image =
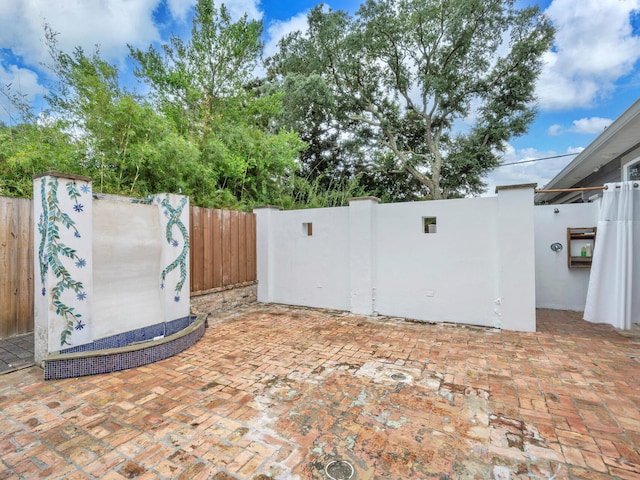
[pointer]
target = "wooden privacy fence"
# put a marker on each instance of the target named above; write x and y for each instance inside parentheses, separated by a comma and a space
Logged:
(223, 254)
(223, 249)
(16, 267)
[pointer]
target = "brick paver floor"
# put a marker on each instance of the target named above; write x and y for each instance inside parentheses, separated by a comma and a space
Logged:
(282, 393)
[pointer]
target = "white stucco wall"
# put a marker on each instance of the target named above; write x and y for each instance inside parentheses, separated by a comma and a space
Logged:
(310, 270)
(362, 254)
(558, 286)
(448, 276)
(516, 270)
(126, 261)
(478, 268)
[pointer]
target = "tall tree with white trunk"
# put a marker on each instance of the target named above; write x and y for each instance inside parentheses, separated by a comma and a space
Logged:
(442, 84)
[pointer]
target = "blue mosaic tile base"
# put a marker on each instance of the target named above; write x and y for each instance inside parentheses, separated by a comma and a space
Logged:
(78, 367)
(132, 336)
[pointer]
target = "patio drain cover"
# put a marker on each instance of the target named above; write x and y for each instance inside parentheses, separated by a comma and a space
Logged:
(339, 470)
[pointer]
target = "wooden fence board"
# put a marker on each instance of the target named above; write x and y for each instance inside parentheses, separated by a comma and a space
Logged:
(242, 247)
(223, 248)
(252, 254)
(226, 248)
(16, 267)
(25, 268)
(196, 237)
(207, 258)
(6, 279)
(216, 267)
(233, 248)
(193, 214)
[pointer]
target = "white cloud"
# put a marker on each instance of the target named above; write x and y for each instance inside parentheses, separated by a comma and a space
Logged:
(594, 47)
(590, 126)
(21, 81)
(180, 8)
(555, 130)
(277, 30)
(237, 8)
(109, 23)
(587, 126)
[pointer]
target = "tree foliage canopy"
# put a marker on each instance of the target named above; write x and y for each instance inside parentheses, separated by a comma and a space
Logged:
(405, 99)
(204, 86)
(203, 131)
(412, 72)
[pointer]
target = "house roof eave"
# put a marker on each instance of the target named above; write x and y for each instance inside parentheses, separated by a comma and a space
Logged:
(613, 142)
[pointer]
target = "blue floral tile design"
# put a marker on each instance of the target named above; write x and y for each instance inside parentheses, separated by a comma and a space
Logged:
(173, 215)
(52, 250)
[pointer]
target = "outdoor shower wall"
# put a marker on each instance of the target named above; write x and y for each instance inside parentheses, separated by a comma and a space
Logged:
(557, 285)
(126, 249)
(476, 266)
(105, 266)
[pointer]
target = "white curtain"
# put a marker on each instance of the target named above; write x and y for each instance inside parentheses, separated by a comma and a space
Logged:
(614, 285)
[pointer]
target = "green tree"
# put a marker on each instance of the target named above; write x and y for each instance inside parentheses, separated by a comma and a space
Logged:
(341, 159)
(204, 86)
(191, 79)
(126, 146)
(205, 131)
(410, 71)
(31, 145)
(27, 149)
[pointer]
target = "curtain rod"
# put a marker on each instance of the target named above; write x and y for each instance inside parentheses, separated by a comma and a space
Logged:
(578, 189)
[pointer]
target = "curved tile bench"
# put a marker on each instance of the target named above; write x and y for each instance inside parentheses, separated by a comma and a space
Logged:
(89, 360)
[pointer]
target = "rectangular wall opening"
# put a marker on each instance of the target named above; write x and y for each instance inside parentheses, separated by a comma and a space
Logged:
(307, 229)
(429, 225)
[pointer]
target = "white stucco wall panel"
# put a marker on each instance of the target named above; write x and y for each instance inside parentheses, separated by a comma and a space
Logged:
(310, 270)
(516, 265)
(126, 265)
(557, 285)
(448, 276)
(477, 268)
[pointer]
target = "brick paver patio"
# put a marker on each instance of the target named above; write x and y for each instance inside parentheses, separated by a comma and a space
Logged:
(282, 392)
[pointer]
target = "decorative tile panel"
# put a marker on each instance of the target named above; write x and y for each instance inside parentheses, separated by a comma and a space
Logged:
(65, 266)
(174, 278)
(63, 236)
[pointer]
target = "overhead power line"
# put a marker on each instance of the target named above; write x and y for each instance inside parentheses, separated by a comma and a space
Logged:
(536, 159)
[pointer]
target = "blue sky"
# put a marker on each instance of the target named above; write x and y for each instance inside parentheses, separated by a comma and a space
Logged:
(591, 75)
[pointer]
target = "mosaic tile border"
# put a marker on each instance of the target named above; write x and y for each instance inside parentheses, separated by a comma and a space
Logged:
(132, 336)
(95, 362)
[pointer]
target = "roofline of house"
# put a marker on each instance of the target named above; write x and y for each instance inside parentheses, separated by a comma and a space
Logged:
(610, 132)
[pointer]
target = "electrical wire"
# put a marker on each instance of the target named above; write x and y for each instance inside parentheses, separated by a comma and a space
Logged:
(536, 159)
